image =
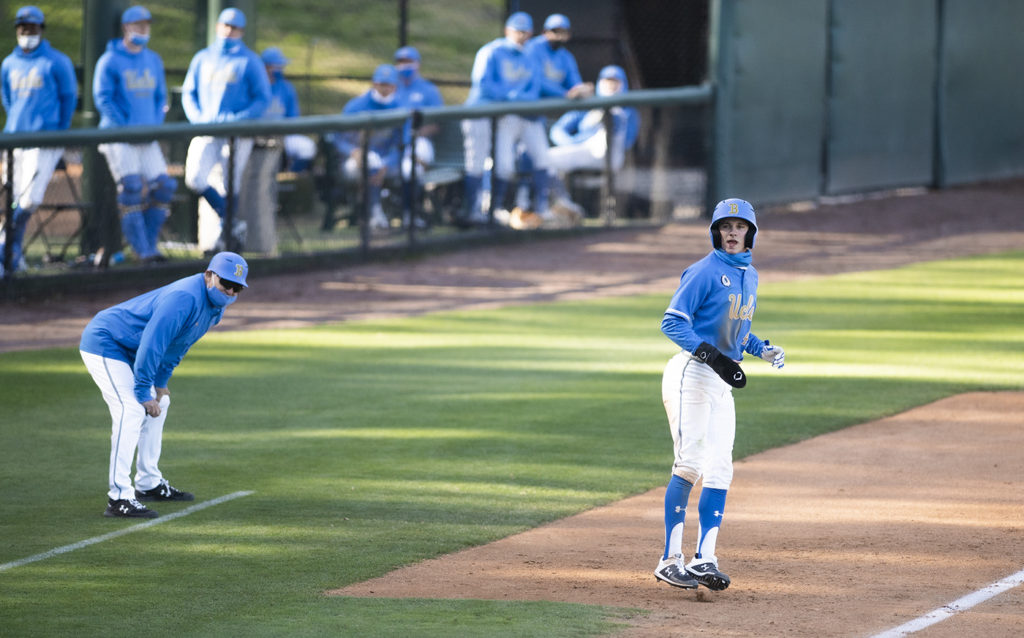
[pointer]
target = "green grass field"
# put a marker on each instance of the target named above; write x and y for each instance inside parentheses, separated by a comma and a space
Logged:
(371, 445)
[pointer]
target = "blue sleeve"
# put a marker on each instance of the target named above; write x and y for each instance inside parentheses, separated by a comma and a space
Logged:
(432, 97)
(103, 89)
(573, 76)
(680, 331)
(190, 90)
(563, 131)
(347, 141)
(67, 91)
(291, 101)
(170, 314)
(160, 95)
(491, 86)
(753, 345)
(6, 97)
(258, 85)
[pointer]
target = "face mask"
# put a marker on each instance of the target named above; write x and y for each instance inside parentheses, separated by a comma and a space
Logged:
(380, 99)
(226, 44)
(277, 74)
(220, 298)
(606, 88)
(407, 71)
(138, 39)
(29, 42)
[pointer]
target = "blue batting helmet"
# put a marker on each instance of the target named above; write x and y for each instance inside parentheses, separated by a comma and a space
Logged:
(233, 17)
(135, 14)
(407, 53)
(520, 21)
(556, 21)
(272, 56)
(385, 74)
(733, 207)
(230, 266)
(29, 15)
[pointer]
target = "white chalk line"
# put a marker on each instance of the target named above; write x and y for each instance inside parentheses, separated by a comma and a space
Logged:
(121, 532)
(955, 607)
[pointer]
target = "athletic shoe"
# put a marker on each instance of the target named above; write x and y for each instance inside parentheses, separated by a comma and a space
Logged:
(128, 508)
(671, 571)
(706, 573)
(163, 492)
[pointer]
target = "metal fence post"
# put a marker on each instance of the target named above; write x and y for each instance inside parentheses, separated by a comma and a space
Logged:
(413, 212)
(228, 223)
(364, 182)
(494, 173)
(608, 201)
(8, 228)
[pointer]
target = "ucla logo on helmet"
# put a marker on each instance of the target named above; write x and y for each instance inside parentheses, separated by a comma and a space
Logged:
(239, 270)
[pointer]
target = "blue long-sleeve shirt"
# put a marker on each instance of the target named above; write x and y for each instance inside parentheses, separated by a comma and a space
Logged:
(715, 302)
(130, 89)
(225, 85)
(39, 89)
(419, 93)
(152, 332)
(284, 101)
(558, 69)
(503, 72)
(385, 142)
(575, 127)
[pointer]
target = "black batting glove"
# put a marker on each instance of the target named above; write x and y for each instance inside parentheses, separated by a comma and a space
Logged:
(726, 368)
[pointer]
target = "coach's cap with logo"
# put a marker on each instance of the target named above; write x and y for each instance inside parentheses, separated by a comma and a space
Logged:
(230, 266)
(272, 56)
(29, 15)
(520, 21)
(556, 21)
(233, 17)
(407, 53)
(135, 14)
(385, 74)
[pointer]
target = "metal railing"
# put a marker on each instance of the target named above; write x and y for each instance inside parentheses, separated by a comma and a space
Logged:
(321, 124)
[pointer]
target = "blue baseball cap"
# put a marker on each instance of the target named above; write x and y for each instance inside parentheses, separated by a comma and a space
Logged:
(407, 53)
(230, 266)
(612, 72)
(29, 15)
(385, 74)
(135, 14)
(272, 56)
(233, 17)
(556, 21)
(520, 21)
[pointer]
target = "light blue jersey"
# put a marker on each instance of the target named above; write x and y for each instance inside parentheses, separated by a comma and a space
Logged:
(558, 69)
(130, 89)
(224, 83)
(419, 93)
(152, 332)
(715, 302)
(284, 101)
(503, 72)
(39, 90)
(385, 142)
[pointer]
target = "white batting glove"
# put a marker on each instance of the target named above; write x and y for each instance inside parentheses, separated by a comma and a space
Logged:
(774, 355)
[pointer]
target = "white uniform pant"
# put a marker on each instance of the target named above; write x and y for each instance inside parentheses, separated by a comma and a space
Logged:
(33, 168)
(206, 163)
(702, 417)
(424, 158)
(476, 144)
(587, 155)
(131, 428)
(513, 129)
(146, 160)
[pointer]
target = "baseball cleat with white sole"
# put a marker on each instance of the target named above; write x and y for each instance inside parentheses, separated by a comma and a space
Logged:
(671, 571)
(706, 573)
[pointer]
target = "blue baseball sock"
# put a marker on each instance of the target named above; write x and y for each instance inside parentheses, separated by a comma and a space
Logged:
(677, 494)
(711, 508)
(216, 200)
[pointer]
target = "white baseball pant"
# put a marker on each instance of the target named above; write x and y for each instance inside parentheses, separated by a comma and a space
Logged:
(145, 159)
(33, 168)
(476, 144)
(702, 418)
(131, 428)
(206, 163)
(587, 155)
(424, 158)
(299, 147)
(511, 130)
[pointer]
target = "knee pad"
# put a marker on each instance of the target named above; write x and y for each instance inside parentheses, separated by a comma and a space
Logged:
(129, 192)
(161, 189)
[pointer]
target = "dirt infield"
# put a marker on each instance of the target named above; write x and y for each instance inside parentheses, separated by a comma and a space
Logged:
(847, 534)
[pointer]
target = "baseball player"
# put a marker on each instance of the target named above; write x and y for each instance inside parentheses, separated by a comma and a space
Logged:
(417, 92)
(709, 317)
(284, 102)
(225, 82)
(131, 350)
(385, 144)
(130, 89)
(503, 72)
(560, 75)
(39, 93)
(579, 139)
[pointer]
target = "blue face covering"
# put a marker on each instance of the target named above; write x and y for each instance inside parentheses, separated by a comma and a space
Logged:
(226, 44)
(138, 39)
(407, 73)
(277, 74)
(220, 298)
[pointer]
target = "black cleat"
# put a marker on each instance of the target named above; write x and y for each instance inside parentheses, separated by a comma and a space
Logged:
(128, 508)
(706, 573)
(671, 572)
(164, 492)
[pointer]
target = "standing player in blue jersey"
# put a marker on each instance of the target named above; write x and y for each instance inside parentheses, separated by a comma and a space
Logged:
(284, 102)
(709, 317)
(39, 93)
(130, 89)
(560, 75)
(131, 351)
(225, 82)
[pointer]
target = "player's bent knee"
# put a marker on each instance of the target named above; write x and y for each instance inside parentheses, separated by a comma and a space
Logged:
(130, 190)
(162, 188)
(686, 474)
